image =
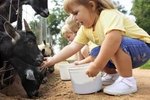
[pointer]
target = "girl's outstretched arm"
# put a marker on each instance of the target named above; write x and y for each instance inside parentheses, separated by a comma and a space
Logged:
(65, 53)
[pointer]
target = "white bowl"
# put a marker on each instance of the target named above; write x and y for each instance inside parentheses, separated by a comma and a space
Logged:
(82, 84)
(64, 72)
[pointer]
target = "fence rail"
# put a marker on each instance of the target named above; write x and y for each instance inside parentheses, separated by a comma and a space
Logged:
(7, 73)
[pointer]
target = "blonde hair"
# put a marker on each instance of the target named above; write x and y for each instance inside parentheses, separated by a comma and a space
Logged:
(65, 30)
(101, 4)
(70, 26)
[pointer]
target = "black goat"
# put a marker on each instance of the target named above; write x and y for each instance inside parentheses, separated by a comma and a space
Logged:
(21, 45)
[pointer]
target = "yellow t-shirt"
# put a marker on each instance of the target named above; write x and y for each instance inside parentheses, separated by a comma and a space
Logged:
(108, 20)
(91, 45)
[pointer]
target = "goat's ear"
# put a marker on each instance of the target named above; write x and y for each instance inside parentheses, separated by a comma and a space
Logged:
(30, 75)
(43, 51)
(11, 32)
(44, 42)
(27, 28)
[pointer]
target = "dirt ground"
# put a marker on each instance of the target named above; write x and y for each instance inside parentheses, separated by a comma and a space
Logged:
(56, 89)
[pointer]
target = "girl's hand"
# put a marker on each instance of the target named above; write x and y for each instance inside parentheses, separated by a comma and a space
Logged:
(47, 62)
(77, 62)
(92, 70)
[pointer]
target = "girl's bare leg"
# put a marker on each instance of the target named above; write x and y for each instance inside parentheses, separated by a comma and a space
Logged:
(110, 70)
(123, 63)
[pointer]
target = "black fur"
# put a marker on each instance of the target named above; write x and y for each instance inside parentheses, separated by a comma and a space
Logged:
(39, 6)
(22, 46)
(25, 47)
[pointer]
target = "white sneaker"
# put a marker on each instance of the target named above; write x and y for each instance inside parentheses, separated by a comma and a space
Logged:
(108, 79)
(122, 86)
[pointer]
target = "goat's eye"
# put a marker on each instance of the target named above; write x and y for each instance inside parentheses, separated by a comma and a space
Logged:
(30, 44)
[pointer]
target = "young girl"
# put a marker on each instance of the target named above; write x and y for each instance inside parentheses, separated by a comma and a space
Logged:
(69, 31)
(122, 42)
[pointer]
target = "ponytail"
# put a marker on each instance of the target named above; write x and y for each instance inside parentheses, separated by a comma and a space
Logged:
(105, 4)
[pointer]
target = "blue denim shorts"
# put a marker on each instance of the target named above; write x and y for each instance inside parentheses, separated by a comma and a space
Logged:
(94, 52)
(138, 50)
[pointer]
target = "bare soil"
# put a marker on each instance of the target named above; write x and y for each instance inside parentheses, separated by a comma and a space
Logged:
(56, 89)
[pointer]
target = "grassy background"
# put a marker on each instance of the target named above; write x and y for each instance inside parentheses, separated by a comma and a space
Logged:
(146, 66)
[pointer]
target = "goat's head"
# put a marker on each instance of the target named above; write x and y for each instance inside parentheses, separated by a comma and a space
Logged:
(46, 49)
(40, 6)
(24, 45)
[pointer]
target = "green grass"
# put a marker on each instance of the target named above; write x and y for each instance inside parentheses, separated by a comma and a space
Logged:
(146, 66)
